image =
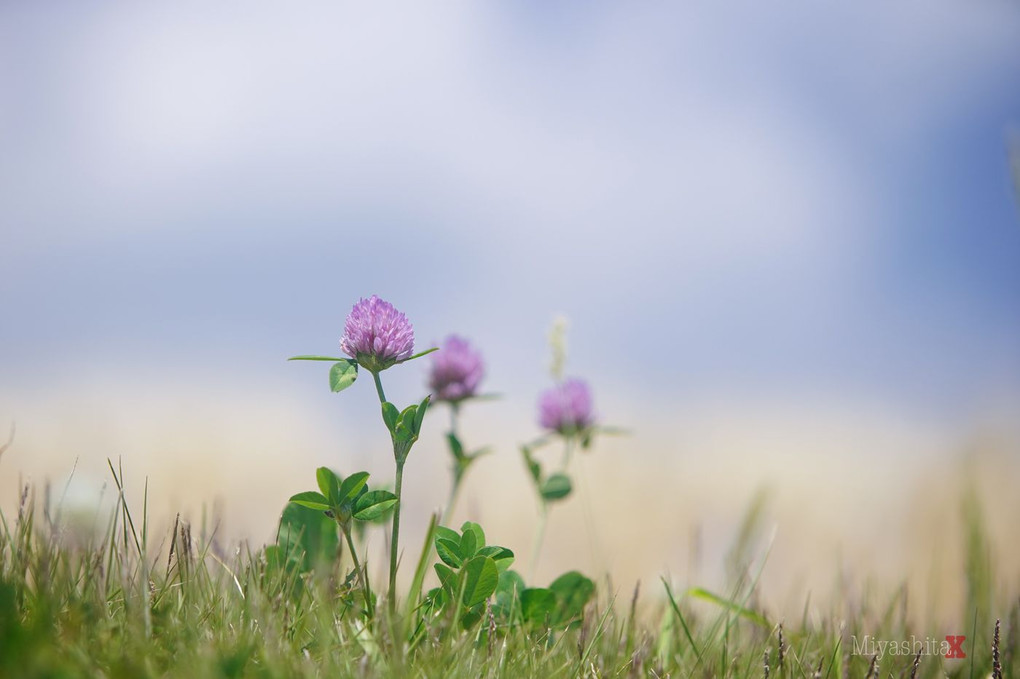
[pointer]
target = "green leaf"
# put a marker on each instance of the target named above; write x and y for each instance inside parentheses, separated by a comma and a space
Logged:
(471, 618)
(748, 614)
(373, 504)
(476, 530)
(533, 466)
(311, 499)
(538, 605)
(390, 414)
(511, 582)
(419, 354)
(455, 446)
(573, 591)
(351, 485)
(419, 415)
(508, 593)
(449, 551)
(329, 484)
(435, 599)
(556, 487)
(501, 555)
(343, 374)
(480, 579)
(317, 358)
(447, 578)
(306, 535)
(448, 533)
(468, 544)
(404, 431)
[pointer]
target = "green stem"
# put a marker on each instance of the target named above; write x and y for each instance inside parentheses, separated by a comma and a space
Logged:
(452, 500)
(568, 449)
(539, 537)
(362, 575)
(454, 412)
(378, 387)
(395, 538)
(457, 471)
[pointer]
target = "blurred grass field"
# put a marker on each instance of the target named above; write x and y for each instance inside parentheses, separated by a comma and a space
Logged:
(890, 528)
(130, 600)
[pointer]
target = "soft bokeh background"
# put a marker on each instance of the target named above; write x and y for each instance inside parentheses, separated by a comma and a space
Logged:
(785, 236)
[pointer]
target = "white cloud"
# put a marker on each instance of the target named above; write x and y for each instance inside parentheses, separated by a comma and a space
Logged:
(676, 118)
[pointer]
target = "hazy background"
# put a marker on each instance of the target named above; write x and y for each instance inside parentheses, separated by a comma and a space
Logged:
(785, 236)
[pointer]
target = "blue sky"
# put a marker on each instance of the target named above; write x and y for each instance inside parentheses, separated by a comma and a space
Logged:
(789, 202)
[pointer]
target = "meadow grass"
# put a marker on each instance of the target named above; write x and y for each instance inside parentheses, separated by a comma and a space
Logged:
(125, 603)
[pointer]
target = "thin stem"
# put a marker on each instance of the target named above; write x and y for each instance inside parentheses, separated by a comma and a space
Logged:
(543, 519)
(378, 387)
(539, 537)
(454, 413)
(395, 539)
(362, 574)
(452, 499)
(568, 449)
(395, 535)
(457, 471)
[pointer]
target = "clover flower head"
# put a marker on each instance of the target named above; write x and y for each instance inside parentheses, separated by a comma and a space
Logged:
(457, 369)
(567, 407)
(376, 335)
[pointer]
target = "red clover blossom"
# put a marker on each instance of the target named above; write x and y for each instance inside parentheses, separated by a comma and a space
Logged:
(457, 369)
(567, 407)
(376, 335)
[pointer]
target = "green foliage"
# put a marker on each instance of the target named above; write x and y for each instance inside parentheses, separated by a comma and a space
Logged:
(312, 500)
(559, 605)
(480, 578)
(344, 499)
(341, 502)
(390, 415)
(306, 537)
(351, 486)
(419, 354)
(342, 375)
(404, 426)
(538, 605)
(374, 504)
(556, 487)
(329, 484)
(573, 592)
(508, 595)
(117, 605)
(462, 460)
(552, 488)
(111, 607)
(469, 572)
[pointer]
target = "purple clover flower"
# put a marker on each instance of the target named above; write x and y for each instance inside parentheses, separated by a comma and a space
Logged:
(567, 407)
(376, 335)
(457, 369)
